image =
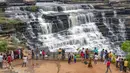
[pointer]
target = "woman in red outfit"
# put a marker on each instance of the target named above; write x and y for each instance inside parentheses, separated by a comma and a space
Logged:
(9, 59)
(82, 55)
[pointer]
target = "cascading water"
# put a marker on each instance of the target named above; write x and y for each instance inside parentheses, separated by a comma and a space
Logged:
(118, 35)
(67, 26)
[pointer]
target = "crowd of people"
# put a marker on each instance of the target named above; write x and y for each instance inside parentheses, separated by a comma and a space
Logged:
(86, 56)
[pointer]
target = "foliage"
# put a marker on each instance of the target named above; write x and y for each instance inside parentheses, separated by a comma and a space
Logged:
(3, 46)
(4, 20)
(32, 8)
(126, 46)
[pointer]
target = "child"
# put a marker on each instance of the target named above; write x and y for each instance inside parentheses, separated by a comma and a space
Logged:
(95, 58)
(75, 58)
(24, 61)
(108, 66)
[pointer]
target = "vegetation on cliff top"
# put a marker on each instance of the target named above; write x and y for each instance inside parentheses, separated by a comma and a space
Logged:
(126, 46)
(32, 8)
(4, 20)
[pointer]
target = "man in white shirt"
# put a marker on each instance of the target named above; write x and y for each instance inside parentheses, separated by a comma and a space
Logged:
(1, 60)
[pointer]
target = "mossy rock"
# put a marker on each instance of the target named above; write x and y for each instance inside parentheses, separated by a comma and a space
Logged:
(32, 8)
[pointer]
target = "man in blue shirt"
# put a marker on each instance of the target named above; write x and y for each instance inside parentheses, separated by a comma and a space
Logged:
(1, 60)
(95, 50)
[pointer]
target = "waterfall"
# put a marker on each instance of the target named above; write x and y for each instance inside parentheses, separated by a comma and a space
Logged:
(122, 29)
(69, 27)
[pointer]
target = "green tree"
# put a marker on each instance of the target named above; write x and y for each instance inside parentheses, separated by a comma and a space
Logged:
(3, 46)
(126, 46)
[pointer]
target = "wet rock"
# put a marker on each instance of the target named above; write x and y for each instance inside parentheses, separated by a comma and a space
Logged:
(109, 13)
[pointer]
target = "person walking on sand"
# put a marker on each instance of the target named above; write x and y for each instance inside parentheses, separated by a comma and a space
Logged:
(24, 61)
(108, 66)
